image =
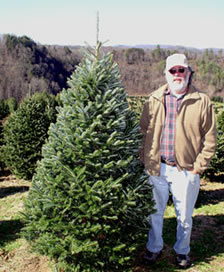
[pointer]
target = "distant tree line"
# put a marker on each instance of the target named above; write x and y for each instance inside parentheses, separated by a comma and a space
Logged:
(27, 67)
(142, 70)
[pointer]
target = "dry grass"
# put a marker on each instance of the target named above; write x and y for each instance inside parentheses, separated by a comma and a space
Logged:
(15, 253)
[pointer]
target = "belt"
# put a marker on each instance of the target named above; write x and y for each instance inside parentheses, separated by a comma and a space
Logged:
(168, 163)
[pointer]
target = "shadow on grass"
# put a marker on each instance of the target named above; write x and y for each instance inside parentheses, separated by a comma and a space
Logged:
(207, 237)
(4, 173)
(6, 191)
(9, 231)
(215, 178)
(207, 242)
(209, 197)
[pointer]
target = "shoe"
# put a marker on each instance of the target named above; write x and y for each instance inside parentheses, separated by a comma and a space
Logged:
(183, 261)
(151, 257)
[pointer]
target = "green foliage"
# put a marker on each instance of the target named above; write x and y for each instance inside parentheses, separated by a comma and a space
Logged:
(12, 41)
(12, 104)
(90, 199)
(217, 162)
(4, 109)
(136, 103)
(217, 99)
(26, 131)
(2, 164)
(158, 54)
(211, 73)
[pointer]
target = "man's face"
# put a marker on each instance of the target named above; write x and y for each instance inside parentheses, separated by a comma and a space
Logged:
(177, 78)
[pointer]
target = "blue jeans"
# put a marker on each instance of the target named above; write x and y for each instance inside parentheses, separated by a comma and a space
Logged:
(184, 187)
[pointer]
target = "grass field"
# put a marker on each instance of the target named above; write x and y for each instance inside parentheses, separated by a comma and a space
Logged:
(207, 247)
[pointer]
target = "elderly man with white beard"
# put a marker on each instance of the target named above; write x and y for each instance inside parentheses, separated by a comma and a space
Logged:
(179, 137)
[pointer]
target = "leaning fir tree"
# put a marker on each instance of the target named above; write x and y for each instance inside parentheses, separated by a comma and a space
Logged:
(89, 201)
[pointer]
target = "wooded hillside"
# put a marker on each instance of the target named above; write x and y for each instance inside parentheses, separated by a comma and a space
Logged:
(142, 70)
(27, 67)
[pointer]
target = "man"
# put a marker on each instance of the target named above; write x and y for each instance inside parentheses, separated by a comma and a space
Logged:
(178, 126)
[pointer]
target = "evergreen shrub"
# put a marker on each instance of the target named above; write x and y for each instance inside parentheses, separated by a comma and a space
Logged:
(2, 164)
(136, 104)
(25, 131)
(4, 109)
(90, 199)
(217, 162)
(217, 99)
(12, 104)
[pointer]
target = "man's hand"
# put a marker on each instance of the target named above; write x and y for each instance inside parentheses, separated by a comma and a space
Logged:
(193, 171)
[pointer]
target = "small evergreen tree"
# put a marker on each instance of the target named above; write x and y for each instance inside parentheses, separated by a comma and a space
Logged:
(25, 132)
(4, 109)
(90, 199)
(2, 164)
(217, 162)
(12, 104)
(217, 99)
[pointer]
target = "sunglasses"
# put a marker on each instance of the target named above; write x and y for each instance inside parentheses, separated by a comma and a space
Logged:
(179, 70)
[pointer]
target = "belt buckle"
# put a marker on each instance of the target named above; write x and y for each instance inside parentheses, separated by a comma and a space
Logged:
(170, 163)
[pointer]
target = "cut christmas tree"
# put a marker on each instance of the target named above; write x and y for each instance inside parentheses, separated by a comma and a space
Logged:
(89, 203)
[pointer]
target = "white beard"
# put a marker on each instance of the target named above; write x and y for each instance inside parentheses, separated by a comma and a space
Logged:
(177, 87)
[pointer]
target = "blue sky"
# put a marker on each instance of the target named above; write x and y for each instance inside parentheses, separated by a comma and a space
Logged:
(196, 23)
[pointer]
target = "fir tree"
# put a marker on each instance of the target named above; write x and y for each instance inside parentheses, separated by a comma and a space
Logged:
(217, 162)
(2, 164)
(4, 109)
(90, 199)
(25, 131)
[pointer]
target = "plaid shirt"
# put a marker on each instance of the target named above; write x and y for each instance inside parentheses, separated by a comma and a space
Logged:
(172, 104)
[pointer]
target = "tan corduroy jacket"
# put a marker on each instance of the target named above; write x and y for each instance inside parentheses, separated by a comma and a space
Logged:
(195, 138)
